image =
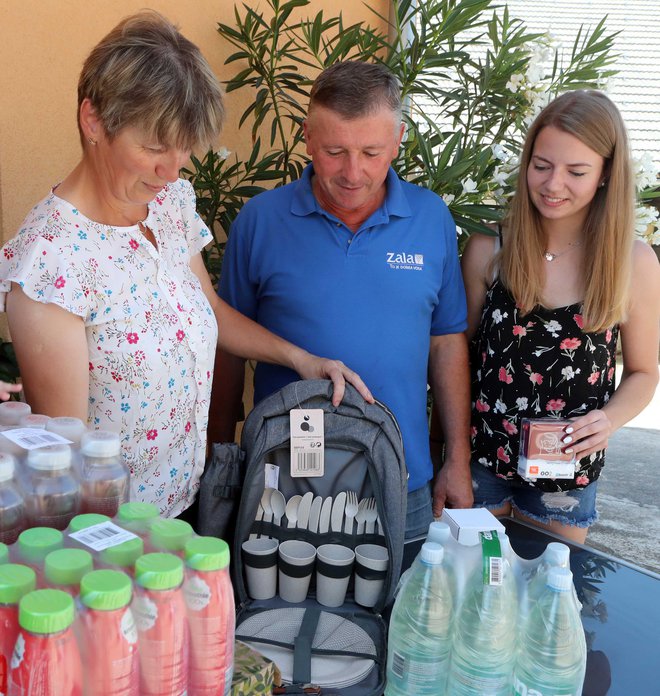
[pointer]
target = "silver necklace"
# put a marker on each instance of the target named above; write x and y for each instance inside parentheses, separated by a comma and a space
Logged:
(550, 256)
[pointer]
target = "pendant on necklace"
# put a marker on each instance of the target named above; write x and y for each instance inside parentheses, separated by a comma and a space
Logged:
(549, 256)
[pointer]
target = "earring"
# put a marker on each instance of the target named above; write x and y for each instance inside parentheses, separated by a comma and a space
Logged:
(602, 183)
(91, 141)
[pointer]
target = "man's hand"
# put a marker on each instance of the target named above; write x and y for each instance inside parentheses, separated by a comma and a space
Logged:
(453, 486)
(312, 367)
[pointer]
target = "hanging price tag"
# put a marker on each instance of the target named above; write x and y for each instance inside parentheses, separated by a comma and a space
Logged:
(307, 442)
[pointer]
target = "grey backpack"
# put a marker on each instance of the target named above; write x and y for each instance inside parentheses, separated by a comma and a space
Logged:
(364, 455)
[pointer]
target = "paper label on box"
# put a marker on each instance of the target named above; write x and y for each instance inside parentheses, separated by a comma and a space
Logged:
(307, 442)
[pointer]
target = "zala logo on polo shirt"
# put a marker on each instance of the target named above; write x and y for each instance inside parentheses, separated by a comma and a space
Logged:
(400, 260)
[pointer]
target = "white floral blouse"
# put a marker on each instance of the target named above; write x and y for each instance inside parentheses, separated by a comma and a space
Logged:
(151, 333)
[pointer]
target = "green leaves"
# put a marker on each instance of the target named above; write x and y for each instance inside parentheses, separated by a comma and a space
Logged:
(472, 78)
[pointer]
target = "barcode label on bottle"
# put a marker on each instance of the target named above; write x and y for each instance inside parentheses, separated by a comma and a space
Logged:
(102, 536)
(33, 438)
(495, 571)
(398, 664)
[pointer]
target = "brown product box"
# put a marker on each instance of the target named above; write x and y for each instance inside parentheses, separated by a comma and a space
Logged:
(542, 450)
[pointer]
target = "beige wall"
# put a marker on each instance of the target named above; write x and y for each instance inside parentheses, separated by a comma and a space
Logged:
(42, 46)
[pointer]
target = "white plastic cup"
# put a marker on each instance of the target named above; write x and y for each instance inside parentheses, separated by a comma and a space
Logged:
(334, 567)
(371, 563)
(260, 562)
(296, 563)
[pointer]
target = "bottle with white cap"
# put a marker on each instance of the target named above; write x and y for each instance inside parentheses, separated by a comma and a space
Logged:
(11, 412)
(105, 479)
(12, 505)
(37, 421)
(53, 495)
(552, 655)
(68, 427)
(555, 555)
(419, 641)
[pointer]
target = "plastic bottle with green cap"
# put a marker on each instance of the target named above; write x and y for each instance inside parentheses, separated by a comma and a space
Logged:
(46, 660)
(123, 555)
(12, 504)
(109, 643)
(104, 477)
(65, 568)
(15, 581)
(210, 601)
(137, 517)
(160, 614)
(85, 520)
(34, 545)
(170, 535)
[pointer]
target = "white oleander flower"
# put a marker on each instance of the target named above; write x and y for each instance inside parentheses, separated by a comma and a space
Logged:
(222, 153)
(469, 186)
(499, 152)
(448, 198)
(515, 82)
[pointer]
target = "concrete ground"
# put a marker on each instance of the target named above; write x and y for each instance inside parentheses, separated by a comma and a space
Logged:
(629, 492)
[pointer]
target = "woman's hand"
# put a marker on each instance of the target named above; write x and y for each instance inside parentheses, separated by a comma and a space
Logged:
(588, 434)
(310, 366)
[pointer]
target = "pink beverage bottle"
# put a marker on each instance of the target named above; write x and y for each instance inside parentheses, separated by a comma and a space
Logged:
(15, 581)
(12, 504)
(210, 600)
(170, 536)
(109, 642)
(65, 568)
(53, 497)
(123, 556)
(137, 517)
(160, 614)
(34, 545)
(104, 478)
(46, 660)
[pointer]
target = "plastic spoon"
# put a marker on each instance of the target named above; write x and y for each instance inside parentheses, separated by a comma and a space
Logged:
(291, 510)
(278, 506)
(268, 510)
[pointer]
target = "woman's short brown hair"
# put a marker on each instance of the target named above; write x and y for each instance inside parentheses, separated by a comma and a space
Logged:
(146, 74)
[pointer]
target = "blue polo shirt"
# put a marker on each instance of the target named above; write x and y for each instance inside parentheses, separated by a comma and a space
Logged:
(371, 298)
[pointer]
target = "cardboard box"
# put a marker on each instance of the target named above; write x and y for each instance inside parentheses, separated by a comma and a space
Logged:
(542, 453)
(465, 524)
(253, 673)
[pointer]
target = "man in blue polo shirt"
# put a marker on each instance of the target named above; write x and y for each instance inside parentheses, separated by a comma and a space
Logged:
(353, 262)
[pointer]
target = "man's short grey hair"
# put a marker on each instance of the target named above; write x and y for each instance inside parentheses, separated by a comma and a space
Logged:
(354, 89)
(146, 74)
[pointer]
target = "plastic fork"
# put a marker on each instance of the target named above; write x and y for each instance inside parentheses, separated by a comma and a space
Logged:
(371, 517)
(364, 513)
(350, 511)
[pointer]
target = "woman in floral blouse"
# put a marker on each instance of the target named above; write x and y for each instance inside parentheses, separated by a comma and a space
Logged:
(547, 299)
(110, 307)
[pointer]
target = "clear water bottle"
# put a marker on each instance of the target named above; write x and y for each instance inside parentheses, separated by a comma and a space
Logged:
(419, 642)
(486, 625)
(104, 477)
(12, 505)
(552, 657)
(53, 495)
(68, 427)
(556, 555)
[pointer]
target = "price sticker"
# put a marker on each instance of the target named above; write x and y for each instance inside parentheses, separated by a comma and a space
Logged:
(307, 442)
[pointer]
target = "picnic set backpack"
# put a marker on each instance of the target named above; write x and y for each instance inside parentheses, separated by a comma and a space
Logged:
(343, 649)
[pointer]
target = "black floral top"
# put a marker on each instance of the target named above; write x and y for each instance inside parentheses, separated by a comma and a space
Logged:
(537, 366)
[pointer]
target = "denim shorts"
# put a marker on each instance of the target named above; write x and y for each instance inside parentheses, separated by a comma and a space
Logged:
(574, 508)
(419, 513)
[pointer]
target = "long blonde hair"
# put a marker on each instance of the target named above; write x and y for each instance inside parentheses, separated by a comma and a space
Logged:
(591, 117)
